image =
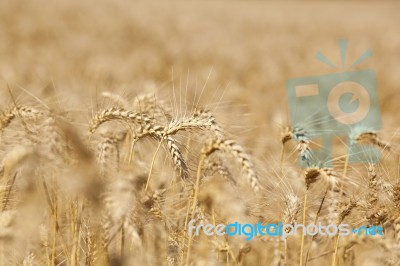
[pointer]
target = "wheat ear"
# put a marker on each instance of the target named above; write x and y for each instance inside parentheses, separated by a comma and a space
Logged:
(109, 143)
(372, 138)
(147, 128)
(231, 147)
(18, 111)
(115, 113)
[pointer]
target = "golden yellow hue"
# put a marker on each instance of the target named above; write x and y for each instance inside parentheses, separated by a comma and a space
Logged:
(121, 121)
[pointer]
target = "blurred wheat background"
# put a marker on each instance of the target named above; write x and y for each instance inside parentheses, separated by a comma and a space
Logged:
(122, 120)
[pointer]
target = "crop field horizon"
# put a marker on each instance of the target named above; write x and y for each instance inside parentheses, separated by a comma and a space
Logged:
(126, 125)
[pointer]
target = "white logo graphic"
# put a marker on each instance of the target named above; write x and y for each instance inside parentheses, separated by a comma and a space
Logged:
(359, 93)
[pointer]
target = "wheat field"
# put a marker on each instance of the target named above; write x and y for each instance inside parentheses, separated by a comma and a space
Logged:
(121, 121)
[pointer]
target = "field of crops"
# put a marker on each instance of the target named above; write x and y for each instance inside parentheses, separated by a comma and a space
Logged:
(122, 121)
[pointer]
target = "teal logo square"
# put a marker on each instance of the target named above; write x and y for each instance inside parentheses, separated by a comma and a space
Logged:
(339, 104)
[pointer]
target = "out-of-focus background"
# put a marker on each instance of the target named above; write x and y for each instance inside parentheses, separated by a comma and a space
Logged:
(244, 49)
(234, 57)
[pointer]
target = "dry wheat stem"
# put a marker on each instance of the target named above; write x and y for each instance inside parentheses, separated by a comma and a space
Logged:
(304, 222)
(151, 166)
(315, 222)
